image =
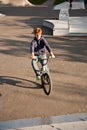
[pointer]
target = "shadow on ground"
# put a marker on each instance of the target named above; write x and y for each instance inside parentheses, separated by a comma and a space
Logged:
(73, 48)
(29, 11)
(19, 82)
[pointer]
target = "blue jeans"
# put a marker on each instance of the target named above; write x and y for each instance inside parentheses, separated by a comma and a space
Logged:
(42, 62)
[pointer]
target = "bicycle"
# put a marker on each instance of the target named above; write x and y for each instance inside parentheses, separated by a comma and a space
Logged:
(46, 81)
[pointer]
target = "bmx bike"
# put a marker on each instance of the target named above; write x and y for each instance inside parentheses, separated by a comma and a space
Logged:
(46, 81)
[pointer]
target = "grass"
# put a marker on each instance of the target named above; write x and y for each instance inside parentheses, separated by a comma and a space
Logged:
(37, 2)
(85, 1)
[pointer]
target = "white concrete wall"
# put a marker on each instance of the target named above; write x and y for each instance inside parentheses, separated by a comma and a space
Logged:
(73, 26)
(59, 27)
(78, 25)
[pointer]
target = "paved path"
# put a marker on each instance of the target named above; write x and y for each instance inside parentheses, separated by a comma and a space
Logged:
(64, 122)
(49, 3)
(19, 89)
(20, 95)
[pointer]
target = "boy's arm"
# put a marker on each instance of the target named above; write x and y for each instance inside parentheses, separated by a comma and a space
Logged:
(32, 55)
(32, 50)
(47, 45)
(49, 48)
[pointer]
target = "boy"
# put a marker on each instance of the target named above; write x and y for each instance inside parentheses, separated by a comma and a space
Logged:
(38, 50)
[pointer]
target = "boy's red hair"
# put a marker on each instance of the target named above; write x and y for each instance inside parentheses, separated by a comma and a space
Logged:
(37, 31)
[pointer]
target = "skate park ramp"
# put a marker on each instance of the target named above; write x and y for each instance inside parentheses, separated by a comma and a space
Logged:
(16, 2)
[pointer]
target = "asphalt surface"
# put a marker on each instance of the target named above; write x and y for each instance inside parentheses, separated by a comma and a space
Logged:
(20, 95)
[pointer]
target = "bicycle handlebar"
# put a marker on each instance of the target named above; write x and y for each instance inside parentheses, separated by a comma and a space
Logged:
(47, 58)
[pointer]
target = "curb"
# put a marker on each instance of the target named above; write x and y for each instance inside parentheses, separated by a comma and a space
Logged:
(35, 122)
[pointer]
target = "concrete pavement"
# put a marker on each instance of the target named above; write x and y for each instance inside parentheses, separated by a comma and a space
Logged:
(64, 122)
(64, 126)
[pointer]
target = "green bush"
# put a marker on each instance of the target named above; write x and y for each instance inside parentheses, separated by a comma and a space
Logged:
(85, 1)
(37, 2)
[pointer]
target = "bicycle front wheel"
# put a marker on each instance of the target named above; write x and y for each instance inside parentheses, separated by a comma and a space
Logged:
(46, 83)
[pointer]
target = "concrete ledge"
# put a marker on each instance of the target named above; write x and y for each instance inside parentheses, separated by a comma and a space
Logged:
(78, 25)
(75, 5)
(59, 27)
(63, 5)
(77, 34)
(75, 26)
(64, 14)
(48, 23)
(62, 32)
(59, 24)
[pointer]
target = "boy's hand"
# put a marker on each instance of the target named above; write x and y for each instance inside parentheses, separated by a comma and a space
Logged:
(52, 55)
(33, 56)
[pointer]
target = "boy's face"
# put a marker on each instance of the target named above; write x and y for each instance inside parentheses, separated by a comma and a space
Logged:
(38, 36)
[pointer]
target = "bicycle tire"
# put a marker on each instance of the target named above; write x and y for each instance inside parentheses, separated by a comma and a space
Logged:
(46, 83)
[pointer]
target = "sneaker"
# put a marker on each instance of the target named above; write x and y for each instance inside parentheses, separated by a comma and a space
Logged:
(38, 78)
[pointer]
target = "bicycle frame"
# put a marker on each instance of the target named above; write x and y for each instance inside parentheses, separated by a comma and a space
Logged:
(46, 81)
(44, 68)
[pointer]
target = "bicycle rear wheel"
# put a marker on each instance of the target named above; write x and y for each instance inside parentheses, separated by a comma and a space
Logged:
(46, 83)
